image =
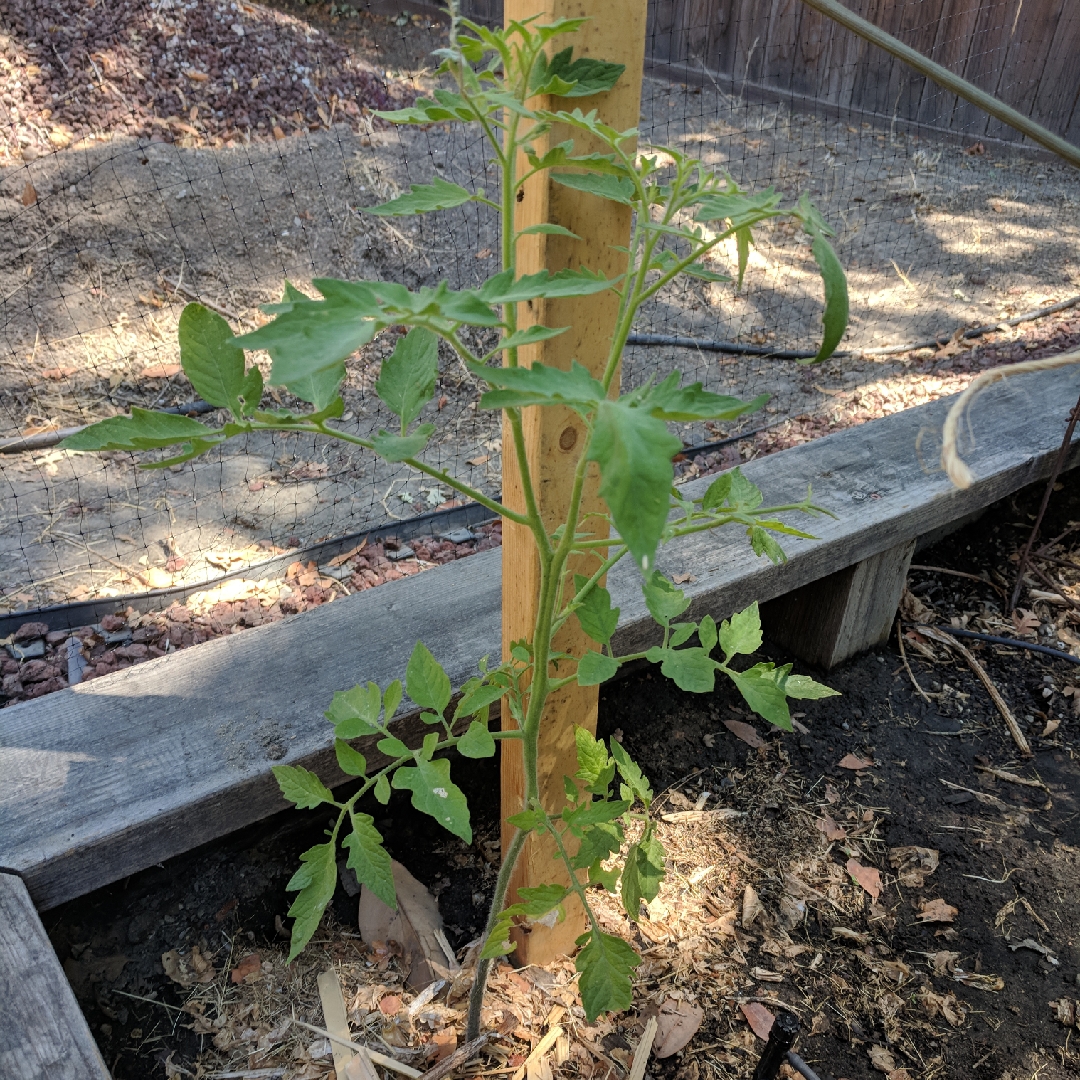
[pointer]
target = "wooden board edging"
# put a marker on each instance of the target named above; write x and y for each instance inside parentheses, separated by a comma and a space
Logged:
(107, 778)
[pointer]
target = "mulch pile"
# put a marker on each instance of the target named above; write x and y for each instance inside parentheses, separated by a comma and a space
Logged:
(210, 70)
(39, 662)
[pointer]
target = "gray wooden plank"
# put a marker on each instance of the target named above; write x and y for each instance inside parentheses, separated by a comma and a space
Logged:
(109, 777)
(43, 1034)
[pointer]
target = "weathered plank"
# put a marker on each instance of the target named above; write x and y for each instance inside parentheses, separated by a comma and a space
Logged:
(107, 778)
(43, 1034)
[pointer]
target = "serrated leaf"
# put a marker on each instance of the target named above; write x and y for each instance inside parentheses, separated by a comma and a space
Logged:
(407, 378)
(422, 198)
(664, 601)
(213, 363)
(562, 76)
(533, 335)
(596, 812)
(835, 317)
(547, 229)
(618, 189)
(741, 634)
(595, 668)
(370, 860)
(605, 965)
(762, 543)
(537, 900)
(760, 691)
(669, 401)
(804, 688)
(681, 632)
(251, 390)
(592, 756)
(597, 844)
(391, 701)
(143, 430)
(320, 388)
(642, 873)
(527, 820)
(350, 761)
(731, 489)
(503, 289)
(316, 879)
(595, 614)
(355, 712)
(478, 696)
(477, 741)
(402, 447)
(609, 879)
(707, 634)
(539, 385)
(434, 793)
(632, 774)
(382, 789)
(634, 452)
(426, 682)
(690, 669)
(301, 787)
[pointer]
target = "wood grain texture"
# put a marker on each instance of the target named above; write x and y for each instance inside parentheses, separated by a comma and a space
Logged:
(43, 1035)
(830, 620)
(110, 777)
(555, 437)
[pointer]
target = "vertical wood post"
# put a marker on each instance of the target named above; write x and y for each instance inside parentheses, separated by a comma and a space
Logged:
(554, 436)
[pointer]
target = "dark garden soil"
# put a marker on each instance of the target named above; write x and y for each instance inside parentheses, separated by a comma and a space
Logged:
(917, 911)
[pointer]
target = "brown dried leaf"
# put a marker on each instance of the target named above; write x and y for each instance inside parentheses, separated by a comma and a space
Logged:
(745, 732)
(676, 1024)
(914, 864)
(851, 761)
(868, 877)
(751, 906)
(881, 1059)
(29, 194)
(1051, 726)
(1024, 621)
(944, 962)
(946, 1005)
(758, 1017)
(159, 371)
(1066, 1012)
(937, 911)
(176, 970)
(251, 964)
(979, 981)
(830, 828)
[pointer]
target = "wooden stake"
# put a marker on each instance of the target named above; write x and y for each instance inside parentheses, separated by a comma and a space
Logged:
(553, 437)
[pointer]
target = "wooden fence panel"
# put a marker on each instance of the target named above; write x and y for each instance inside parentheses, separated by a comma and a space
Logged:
(1027, 52)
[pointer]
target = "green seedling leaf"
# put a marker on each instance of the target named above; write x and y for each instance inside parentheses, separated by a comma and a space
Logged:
(804, 688)
(618, 189)
(392, 701)
(422, 198)
(382, 789)
(762, 543)
(369, 859)
(595, 614)
(252, 390)
(707, 634)
(669, 401)
(760, 691)
(407, 379)
(741, 634)
(301, 787)
(316, 879)
(605, 964)
(143, 430)
(592, 756)
(664, 601)
(540, 385)
(355, 712)
(477, 741)
(681, 632)
(434, 793)
(402, 447)
(531, 336)
(503, 289)
(632, 774)
(690, 669)
(350, 761)
(426, 682)
(547, 229)
(634, 452)
(563, 77)
(527, 820)
(595, 668)
(642, 874)
(731, 490)
(478, 696)
(211, 361)
(393, 747)
(597, 844)
(596, 812)
(430, 745)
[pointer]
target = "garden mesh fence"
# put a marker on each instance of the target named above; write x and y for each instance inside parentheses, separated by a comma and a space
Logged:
(154, 151)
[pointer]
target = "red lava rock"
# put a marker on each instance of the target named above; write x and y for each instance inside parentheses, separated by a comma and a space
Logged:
(30, 630)
(36, 671)
(101, 668)
(9, 667)
(47, 687)
(12, 686)
(292, 605)
(155, 650)
(112, 623)
(176, 636)
(132, 652)
(55, 637)
(177, 613)
(147, 633)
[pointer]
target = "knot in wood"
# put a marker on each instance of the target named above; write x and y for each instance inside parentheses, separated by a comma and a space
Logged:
(568, 438)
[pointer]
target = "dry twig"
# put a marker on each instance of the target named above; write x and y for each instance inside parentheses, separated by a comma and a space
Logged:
(907, 667)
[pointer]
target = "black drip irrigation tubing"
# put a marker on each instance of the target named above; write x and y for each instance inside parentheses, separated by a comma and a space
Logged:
(734, 347)
(993, 639)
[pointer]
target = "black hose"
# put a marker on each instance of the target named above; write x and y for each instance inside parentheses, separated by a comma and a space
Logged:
(1015, 642)
(800, 1066)
(733, 347)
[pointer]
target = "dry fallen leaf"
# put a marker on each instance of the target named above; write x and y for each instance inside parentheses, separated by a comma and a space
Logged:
(1051, 726)
(758, 1017)
(159, 371)
(751, 906)
(59, 372)
(937, 911)
(979, 981)
(946, 1005)
(867, 876)
(881, 1059)
(683, 579)
(481, 460)
(1066, 1012)
(29, 194)
(1024, 621)
(944, 961)
(914, 864)
(676, 1024)
(831, 794)
(390, 1005)
(251, 964)
(745, 732)
(831, 829)
(850, 761)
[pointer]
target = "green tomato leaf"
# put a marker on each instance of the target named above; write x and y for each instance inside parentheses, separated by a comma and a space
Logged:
(426, 682)
(540, 385)
(634, 452)
(605, 965)
(731, 490)
(563, 77)
(759, 688)
(477, 741)
(835, 317)
(382, 789)
(690, 669)
(401, 447)
(301, 787)
(350, 761)
(741, 634)
(664, 601)
(393, 748)
(547, 229)
(595, 614)
(355, 712)
(210, 359)
(632, 774)
(642, 874)
(369, 859)
(538, 900)
(595, 668)
(316, 879)
(681, 632)
(434, 793)
(393, 700)
(806, 689)
(422, 198)
(407, 379)
(618, 189)
(597, 844)
(762, 543)
(252, 390)
(531, 336)
(592, 756)
(595, 812)
(669, 401)
(503, 289)
(143, 430)
(478, 696)
(707, 634)
(320, 388)
(527, 820)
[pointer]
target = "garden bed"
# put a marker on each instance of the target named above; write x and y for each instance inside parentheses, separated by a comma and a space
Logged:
(896, 982)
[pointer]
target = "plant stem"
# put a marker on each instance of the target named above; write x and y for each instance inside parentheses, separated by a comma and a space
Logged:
(498, 902)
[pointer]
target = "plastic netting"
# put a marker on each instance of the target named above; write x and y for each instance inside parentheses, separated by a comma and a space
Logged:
(154, 152)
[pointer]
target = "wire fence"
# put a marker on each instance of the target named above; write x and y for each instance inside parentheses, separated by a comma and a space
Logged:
(154, 151)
